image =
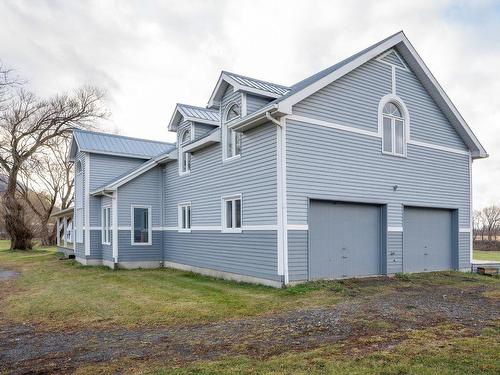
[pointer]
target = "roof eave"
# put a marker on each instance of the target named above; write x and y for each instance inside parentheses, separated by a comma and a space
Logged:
(257, 118)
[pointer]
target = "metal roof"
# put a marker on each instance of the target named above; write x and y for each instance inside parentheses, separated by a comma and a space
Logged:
(199, 112)
(258, 84)
(103, 143)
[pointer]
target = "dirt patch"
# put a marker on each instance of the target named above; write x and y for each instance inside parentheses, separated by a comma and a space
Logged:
(389, 316)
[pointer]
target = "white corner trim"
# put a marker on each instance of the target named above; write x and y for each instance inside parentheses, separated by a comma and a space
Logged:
(279, 197)
(333, 125)
(395, 229)
(114, 221)
(87, 204)
(285, 201)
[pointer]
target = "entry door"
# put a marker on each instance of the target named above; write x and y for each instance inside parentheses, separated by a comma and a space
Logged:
(345, 240)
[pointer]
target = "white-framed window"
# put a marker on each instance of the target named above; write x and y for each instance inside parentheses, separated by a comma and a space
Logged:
(141, 225)
(184, 217)
(393, 129)
(231, 213)
(184, 157)
(106, 226)
(231, 138)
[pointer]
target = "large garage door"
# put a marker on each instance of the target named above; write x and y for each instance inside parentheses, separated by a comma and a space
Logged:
(344, 240)
(427, 240)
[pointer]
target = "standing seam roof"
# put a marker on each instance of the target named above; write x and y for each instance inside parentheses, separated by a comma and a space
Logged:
(115, 144)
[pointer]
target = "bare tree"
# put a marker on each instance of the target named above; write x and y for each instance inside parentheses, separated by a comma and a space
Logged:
(491, 219)
(47, 182)
(28, 126)
(477, 223)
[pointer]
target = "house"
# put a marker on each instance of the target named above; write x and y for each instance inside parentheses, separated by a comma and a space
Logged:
(361, 169)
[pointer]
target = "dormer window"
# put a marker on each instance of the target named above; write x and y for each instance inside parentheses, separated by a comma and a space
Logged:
(78, 167)
(232, 139)
(184, 157)
(393, 129)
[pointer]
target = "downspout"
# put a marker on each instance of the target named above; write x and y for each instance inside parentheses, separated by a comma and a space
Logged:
(281, 195)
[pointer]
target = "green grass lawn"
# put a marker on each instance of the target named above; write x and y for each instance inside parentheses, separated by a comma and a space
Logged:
(57, 294)
(486, 255)
(61, 292)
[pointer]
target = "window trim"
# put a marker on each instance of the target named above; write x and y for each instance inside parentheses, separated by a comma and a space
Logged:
(106, 228)
(189, 129)
(132, 225)
(225, 128)
(180, 207)
(406, 125)
(224, 199)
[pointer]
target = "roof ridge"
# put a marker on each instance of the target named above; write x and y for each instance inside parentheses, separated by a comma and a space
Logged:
(256, 79)
(121, 136)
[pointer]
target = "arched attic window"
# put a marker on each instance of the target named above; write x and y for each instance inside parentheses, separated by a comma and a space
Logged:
(184, 157)
(393, 129)
(232, 138)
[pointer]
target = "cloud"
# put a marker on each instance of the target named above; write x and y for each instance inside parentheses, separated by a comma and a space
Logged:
(150, 55)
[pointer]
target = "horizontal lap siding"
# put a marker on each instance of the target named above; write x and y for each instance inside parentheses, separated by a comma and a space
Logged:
(394, 252)
(201, 130)
(139, 253)
(393, 59)
(251, 253)
(253, 175)
(254, 103)
(95, 245)
(297, 255)
(343, 165)
(333, 164)
(351, 100)
(143, 190)
(463, 250)
(427, 122)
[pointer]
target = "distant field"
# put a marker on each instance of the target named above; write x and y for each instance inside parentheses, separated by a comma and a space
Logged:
(486, 255)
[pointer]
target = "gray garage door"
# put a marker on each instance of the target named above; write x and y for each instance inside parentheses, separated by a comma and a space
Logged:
(427, 240)
(344, 240)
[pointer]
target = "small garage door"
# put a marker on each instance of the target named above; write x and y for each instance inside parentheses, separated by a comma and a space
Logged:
(427, 240)
(344, 240)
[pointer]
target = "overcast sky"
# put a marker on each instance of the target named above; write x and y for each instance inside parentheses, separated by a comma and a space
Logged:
(149, 55)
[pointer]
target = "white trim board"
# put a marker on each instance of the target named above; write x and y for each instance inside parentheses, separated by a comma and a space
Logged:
(332, 125)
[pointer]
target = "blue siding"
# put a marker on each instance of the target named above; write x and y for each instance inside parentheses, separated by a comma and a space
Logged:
(200, 130)
(254, 175)
(143, 190)
(297, 257)
(427, 122)
(392, 58)
(249, 253)
(254, 103)
(352, 100)
(139, 253)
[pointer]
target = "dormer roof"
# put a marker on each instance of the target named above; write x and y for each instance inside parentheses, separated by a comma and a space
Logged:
(244, 84)
(185, 112)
